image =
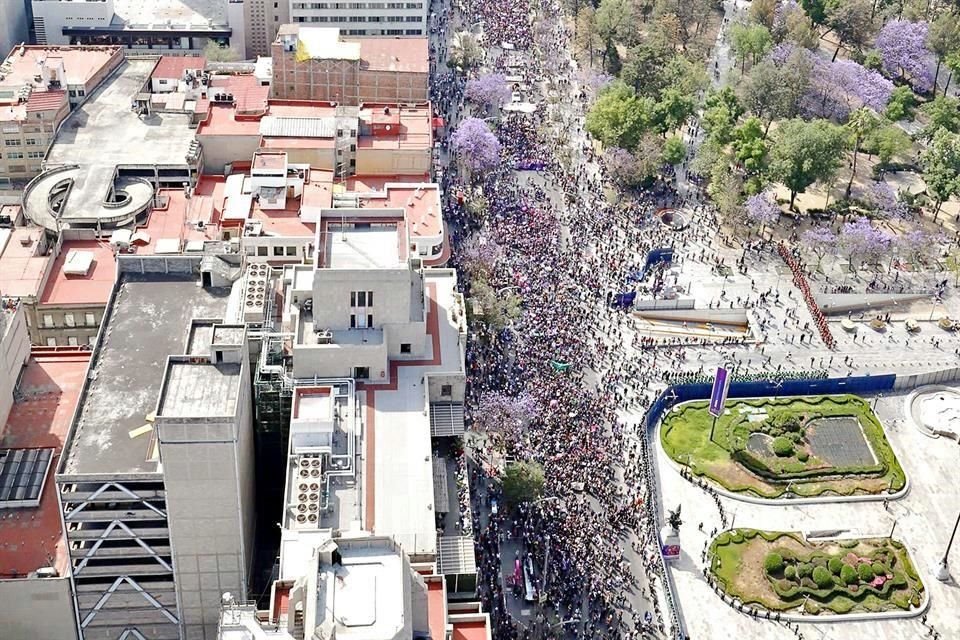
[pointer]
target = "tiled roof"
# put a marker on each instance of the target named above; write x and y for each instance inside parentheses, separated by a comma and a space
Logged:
(174, 66)
(46, 100)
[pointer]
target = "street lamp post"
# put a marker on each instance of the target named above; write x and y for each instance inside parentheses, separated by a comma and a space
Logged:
(943, 569)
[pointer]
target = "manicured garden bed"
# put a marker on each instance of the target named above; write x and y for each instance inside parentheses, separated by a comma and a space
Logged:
(809, 446)
(783, 572)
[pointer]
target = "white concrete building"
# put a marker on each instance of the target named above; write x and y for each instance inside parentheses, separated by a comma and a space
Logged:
(365, 18)
(13, 24)
(164, 25)
(14, 348)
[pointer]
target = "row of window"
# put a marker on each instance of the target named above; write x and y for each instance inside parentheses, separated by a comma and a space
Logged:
(360, 19)
(278, 251)
(15, 142)
(70, 320)
(78, 93)
(315, 6)
(72, 341)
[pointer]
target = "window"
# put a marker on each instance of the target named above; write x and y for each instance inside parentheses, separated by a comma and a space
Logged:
(51, 342)
(261, 251)
(11, 142)
(15, 155)
(278, 251)
(72, 341)
(31, 142)
(404, 347)
(89, 319)
(47, 320)
(69, 320)
(161, 81)
(446, 389)
(35, 155)
(361, 373)
(81, 92)
(292, 251)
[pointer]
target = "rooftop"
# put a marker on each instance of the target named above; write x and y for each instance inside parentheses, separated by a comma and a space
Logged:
(48, 392)
(98, 137)
(93, 288)
(150, 320)
(411, 55)
(376, 54)
(376, 247)
(22, 267)
(200, 390)
(168, 14)
(80, 65)
(367, 595)
(174, 66)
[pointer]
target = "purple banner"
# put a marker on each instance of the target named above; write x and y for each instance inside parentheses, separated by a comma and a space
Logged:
(718, 395)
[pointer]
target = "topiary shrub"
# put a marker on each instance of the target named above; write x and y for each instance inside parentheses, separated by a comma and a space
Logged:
(804, 569)
(848, 574)
(835, 565)
(803, 456)
(822, 577)
(790, 573)
(865, 572)
(879, 569)
(783, 447)
(773, 563)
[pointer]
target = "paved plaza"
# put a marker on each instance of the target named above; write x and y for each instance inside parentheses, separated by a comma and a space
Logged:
(922, 520)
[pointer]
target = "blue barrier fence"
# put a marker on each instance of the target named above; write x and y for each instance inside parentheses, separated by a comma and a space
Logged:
(861, 385)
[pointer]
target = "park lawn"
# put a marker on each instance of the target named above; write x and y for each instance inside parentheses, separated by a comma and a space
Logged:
(737, 563)
(685, 436)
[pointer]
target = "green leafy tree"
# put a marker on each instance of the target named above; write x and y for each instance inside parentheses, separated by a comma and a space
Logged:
(722, 109)
(852, 22)
(901, 103)
(943, 38)
(615, 20)
(750, 43)
(496, 308)
(941, 167)
(749, 147)
(887, 142)
(942, 113)
(707, 156)
(805, 152)
(860, 124)
(585, 33)
(673, 109)
(618, 118)
(953, 64)
(643, 67)
(816, 10)
(725, 189)
(674, 150)
(216, 52)
(522, 482)
(763, 12)
(953, 265)
(465, 51)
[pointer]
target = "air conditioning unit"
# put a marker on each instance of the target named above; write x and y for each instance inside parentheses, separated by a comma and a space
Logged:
(324, 336)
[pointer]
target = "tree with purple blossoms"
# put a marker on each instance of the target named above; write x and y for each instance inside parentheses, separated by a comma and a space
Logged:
(490, 91)
(903, 49)
(762, 209)
(882, 201)
(475, 145)
(917, 246)
(480, 255)
(860, 241)
(819, 240)
(498, 412)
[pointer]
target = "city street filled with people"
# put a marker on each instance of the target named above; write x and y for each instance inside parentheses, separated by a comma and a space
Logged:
(580, 366)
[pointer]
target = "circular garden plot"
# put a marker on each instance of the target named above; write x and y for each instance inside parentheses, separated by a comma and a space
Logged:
(783, 572)
(795, 447)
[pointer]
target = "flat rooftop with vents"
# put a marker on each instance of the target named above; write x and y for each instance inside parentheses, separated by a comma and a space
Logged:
(101, 135)
(150, 319)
